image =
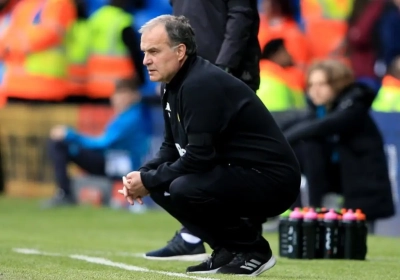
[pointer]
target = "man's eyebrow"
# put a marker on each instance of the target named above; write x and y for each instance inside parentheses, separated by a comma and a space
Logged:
(150, 49)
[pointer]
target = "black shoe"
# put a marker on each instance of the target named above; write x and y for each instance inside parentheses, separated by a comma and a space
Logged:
(249, 264)
(219, 258)
(179, 250)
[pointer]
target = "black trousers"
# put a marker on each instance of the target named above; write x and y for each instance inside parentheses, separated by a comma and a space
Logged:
(226, 206)
(91, 161)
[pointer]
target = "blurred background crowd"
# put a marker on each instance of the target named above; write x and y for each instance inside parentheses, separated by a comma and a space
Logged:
(74, 68)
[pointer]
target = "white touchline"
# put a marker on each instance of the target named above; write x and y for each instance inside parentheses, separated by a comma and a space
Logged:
(107, 262)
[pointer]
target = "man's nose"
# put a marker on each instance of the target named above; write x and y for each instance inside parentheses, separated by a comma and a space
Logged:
(146, 60)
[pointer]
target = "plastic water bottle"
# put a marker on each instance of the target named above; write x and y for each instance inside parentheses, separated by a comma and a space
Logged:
(310, 235)
(331, 234)
(319, 254)
(295, 234)
(340, 235)
(349, 234)
(341, 212)
(362, 233)
(283, 233)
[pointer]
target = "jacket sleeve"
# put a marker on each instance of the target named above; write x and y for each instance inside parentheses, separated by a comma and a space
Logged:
(204, 116)
(348, 114)
(53, 23)
(287, 119)
(114, 132)
(237, 33)
(168, 151)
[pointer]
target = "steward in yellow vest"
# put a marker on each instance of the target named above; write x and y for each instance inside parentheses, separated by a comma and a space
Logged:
(77, 41)
(388, 98)
(114, 52)
(279, 89)
(35, 55)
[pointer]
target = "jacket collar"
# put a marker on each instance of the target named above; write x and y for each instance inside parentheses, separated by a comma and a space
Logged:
(181, 75)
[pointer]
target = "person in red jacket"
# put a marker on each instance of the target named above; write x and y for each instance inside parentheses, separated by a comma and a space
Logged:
(362, 39)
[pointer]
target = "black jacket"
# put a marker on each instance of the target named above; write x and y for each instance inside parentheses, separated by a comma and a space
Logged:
(363, 166)
(213, 118)
(226, 34)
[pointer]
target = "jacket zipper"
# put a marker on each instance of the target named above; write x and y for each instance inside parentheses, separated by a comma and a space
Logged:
(180, 119)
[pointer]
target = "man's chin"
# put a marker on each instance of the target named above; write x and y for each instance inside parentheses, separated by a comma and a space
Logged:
(154, 79)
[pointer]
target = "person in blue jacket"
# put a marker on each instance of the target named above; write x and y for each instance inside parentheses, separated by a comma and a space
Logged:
(121, 148)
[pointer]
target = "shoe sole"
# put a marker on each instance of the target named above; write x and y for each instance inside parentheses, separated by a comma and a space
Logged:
(186, 258)
(268, 265)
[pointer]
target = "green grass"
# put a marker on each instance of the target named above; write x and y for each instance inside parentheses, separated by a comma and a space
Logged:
(115, 234)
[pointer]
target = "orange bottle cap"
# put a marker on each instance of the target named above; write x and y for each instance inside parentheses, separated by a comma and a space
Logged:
(360, 215)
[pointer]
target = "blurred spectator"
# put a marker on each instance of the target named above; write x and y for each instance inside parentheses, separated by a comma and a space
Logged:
(389, 32)
(77, 41)
(226, 34)
(114, 49)
(343, 147)
(277, 21)
(117, 151)
(388, 99)
(34, 50)
(325, 25)
(363, 39)
(277, 89)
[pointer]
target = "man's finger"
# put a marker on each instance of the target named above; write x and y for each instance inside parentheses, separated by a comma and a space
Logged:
(121, 192)
(139, 200)
(130, 200)
(126, 182)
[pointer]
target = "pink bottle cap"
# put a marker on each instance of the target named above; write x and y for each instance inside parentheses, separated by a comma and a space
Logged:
(349, 216)
(296, 214)
(331, 215)
(311, 215)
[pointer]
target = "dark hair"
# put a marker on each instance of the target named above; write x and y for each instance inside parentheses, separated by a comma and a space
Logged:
(178, 29)
(272, 47)
(131, 85)
(123, 4)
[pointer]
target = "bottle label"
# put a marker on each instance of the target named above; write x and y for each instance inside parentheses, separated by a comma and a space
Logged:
(331, 241)
(328, 239)
(291, 242)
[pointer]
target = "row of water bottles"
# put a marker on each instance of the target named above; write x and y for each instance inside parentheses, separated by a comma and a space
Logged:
(321, 234)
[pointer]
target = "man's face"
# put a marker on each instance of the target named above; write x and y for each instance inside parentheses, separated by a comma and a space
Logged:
(319, 90)
(284, 58)
(161, 59)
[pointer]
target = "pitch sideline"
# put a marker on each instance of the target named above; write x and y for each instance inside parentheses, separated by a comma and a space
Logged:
(106, 262)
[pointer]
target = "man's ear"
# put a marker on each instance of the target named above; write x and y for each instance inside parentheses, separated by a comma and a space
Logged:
(181, 51)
